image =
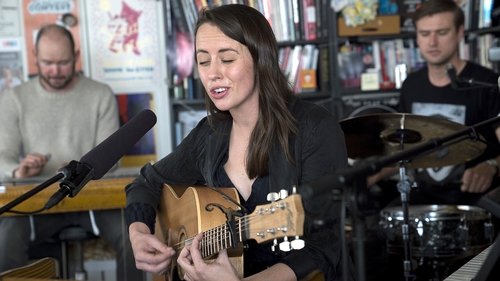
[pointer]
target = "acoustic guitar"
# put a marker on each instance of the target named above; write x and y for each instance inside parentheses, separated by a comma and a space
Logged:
(185, 212)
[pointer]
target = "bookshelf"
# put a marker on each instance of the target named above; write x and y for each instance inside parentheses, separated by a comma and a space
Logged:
(397, 46)
(339, 61)
(302, 30)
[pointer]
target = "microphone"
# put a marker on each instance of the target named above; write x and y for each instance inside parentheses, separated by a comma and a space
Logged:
(452, 75)
(100, 159)
(108, 152)
(467, 83)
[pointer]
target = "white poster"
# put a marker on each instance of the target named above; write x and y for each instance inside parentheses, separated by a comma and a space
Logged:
(10, 11)
(124, 43)
(11, 63)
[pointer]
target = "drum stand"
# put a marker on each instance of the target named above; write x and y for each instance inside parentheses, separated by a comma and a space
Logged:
(404, 187)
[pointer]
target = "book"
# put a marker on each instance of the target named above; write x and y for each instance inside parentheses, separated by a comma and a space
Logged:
(309, 12)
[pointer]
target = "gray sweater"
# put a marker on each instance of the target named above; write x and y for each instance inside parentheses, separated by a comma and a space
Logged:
(65, 125)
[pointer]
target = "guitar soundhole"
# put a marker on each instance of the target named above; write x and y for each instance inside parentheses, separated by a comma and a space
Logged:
(177, 273)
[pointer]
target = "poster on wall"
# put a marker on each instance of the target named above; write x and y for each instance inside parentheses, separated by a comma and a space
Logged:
(130, 104)
(41, 12)
(9, 18)
(123, 42)
(11, 63)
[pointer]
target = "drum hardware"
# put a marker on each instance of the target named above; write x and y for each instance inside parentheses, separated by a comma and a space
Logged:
(404, 187)
(403, 136)
(442, 236)
(382, 134)
(389, 133)
(439, 231)
(409, 141)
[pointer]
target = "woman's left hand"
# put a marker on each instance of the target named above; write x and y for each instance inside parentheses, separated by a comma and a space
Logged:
(196, 269)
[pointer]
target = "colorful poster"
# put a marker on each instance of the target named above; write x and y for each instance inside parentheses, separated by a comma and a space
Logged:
(10, 12)
(40, 12)
(144, 150)
(124, 42)
(11, 63)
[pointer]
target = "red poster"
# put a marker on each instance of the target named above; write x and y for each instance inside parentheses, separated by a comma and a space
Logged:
(37, 13)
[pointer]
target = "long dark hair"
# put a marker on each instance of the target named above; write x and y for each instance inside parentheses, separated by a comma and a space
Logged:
(249, 27)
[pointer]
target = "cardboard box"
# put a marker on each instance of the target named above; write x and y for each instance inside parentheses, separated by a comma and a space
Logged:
(381, 25)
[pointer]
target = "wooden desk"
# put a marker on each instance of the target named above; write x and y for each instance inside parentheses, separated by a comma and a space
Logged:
(100, 194)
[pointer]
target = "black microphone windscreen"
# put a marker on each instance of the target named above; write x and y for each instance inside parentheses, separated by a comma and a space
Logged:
(107, 153)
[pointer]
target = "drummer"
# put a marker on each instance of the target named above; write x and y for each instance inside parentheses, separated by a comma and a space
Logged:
(432, 91)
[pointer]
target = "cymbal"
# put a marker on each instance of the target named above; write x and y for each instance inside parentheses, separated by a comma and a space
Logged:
(388, 133)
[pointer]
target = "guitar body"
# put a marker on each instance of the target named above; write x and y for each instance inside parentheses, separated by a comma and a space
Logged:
(182, 215)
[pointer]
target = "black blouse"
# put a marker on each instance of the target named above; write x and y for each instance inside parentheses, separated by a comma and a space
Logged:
(318, 150)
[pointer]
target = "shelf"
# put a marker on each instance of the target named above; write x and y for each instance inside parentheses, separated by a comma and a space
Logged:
(483, 31)
(354, 105)
(188, 102)
(372, 94)
(370, 38)
(313, 96)
(355, 100)
(303, 42)
(358, 91)
(198, 103)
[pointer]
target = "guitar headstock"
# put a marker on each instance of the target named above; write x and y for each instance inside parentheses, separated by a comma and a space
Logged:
(278, 219)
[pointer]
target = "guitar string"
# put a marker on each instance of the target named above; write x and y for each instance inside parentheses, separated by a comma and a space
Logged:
(210, 237)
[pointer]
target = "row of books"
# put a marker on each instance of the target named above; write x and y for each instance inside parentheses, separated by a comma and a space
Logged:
(388, 58)
(387, 62)
(477, 49)
(292, 20)
(477, 13)
(299, 63)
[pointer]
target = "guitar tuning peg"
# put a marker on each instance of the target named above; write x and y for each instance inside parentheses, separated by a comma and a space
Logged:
(272, 196)
(273, 246)
(297, 243)
(285, 245)
(294, 189)
(283, 194)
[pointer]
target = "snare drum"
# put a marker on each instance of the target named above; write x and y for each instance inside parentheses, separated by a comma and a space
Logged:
(438, 230)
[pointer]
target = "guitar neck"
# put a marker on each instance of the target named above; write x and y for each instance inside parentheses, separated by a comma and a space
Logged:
(186, 211)
(275, 220)
(221, 237)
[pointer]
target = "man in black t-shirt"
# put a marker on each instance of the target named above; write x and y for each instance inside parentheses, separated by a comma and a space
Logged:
(430, 92)
(434, 91)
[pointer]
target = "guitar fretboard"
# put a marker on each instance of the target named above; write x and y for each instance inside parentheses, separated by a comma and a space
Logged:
(218, 238)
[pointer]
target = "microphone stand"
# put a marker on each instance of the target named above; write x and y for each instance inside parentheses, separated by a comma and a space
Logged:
(74, 176)
(355, 178)
(357, 196)
(30, 193)
(472, 83)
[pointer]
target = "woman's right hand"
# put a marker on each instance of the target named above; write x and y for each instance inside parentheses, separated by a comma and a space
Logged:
(150, 253)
